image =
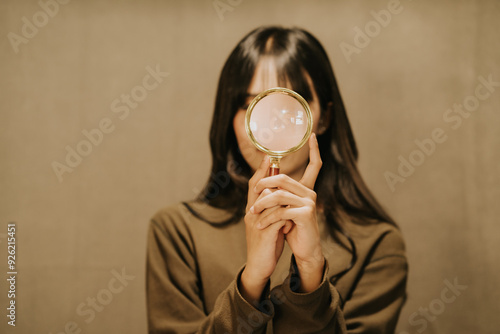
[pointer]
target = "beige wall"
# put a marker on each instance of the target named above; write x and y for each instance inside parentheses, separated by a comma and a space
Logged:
(71, 235)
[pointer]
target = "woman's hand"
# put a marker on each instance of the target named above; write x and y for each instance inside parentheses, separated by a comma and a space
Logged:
(295, 201)
(264, 245)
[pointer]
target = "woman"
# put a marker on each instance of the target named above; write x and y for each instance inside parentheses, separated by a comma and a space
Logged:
(309, 250)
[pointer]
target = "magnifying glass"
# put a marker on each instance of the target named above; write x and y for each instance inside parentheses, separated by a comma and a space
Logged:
(278, 122)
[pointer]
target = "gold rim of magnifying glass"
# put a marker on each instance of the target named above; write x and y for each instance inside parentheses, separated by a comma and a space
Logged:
(293, 94)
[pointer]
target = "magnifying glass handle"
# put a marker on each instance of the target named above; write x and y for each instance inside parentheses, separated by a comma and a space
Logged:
(274, 169)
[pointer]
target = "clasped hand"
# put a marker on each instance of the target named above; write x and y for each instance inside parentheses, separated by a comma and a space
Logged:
(281, 209)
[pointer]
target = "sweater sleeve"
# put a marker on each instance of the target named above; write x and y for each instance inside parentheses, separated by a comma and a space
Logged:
(314, 312)
(377, 297)
(173, 290)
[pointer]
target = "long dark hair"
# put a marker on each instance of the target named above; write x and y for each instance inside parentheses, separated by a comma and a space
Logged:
(342, 193)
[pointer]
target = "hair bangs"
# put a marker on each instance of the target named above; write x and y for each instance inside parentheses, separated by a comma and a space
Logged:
(289, 69)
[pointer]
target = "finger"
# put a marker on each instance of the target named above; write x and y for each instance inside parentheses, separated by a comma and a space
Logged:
(265, 213)
(281, 214)
(315, 163)
(260, 173)
(285, 182)
(278, 198)
(252, 215)
(264, 193)
(288, 227)
(276, 225)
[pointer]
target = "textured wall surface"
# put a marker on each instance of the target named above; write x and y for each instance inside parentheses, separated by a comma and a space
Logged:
(67, 70)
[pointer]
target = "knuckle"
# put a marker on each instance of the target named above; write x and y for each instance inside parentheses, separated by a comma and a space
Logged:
(313, 195)
(311, 210)
(275, 215)
(252, 181)
(281, 212)
(279, 193)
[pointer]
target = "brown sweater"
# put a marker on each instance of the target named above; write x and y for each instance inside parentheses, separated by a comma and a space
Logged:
(193, 271)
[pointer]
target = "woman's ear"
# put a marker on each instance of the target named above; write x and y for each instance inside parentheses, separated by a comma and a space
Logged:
(324, 120)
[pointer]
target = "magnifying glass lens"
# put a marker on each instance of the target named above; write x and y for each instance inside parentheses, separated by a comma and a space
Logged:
(278, 122)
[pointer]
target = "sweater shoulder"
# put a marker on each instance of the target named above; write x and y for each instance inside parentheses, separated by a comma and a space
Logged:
(171, 222)
(391, 243)
(170, 214)
(187, 215)
(380, 240)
